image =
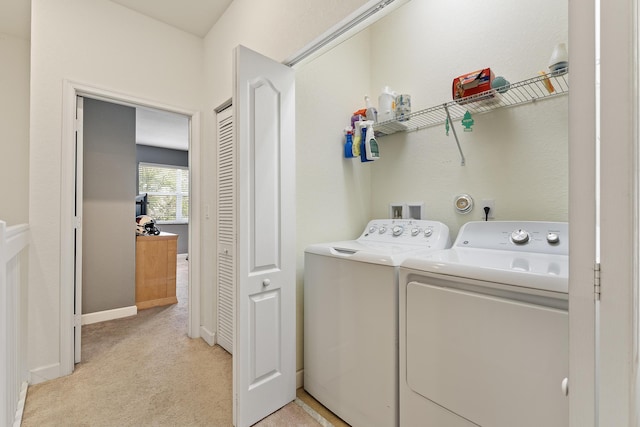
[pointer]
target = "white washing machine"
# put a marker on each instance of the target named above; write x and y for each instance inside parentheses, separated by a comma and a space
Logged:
(351, 318)
(484, 329)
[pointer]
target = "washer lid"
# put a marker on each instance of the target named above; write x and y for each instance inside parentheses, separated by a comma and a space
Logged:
(388, 241)
(369, 252)
(526, 270)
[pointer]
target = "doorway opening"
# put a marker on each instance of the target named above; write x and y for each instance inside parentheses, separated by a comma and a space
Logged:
(132, 180)
(72, 230)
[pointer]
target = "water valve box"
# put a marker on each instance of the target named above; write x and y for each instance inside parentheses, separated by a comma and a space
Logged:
(472, 84)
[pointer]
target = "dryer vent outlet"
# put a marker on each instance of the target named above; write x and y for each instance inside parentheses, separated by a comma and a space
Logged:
(415, 210)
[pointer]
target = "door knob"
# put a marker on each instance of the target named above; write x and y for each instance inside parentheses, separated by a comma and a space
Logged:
(565, 386)
(266, 282)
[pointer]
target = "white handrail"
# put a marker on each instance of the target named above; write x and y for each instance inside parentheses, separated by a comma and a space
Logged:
(14, 242)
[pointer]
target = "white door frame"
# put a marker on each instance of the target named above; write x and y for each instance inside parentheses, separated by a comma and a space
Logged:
(619, 241)
(67, 198)
(79, 213)
(604, 352)
(582, 215)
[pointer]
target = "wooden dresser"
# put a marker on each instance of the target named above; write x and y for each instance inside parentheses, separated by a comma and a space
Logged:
(156, 270)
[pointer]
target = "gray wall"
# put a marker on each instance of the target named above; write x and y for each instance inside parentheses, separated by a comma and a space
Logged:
(166, 156)
(108, 253)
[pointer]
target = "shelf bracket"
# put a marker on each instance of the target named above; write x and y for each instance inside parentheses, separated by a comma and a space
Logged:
(455, 135)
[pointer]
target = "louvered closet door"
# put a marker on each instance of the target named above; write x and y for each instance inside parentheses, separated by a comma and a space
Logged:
(226, 228)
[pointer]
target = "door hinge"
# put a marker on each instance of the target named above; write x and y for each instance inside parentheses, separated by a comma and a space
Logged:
(77, 320)
(77, 222)
(596, 281)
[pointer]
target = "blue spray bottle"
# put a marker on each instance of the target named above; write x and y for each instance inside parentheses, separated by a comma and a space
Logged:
(348, 145)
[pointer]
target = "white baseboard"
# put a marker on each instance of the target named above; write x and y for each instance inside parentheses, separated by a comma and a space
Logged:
(44, 373)
(208, 336)
(102, 316)
(299, 378)
(17, 420)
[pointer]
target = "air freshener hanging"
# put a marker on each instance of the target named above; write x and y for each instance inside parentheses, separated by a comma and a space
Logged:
(467, 122)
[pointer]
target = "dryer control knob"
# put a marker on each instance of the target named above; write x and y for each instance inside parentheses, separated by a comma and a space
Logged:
(382, 230)
(415, 231)
(553, 238)
(372, 229)
(520, 236)
(428, 232)
(397, 230)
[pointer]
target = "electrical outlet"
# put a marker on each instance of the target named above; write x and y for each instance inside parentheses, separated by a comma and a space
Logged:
(491, 204)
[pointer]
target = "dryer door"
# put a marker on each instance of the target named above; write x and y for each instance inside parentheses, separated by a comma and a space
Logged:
(493, 361)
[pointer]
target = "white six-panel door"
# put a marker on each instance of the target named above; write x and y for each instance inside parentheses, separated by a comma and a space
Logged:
(264, 339)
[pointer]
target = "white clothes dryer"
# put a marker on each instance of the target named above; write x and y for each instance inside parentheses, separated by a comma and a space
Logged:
(351, 318)
(484, 330)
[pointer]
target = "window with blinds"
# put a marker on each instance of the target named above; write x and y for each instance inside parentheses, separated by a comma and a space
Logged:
(167, 189)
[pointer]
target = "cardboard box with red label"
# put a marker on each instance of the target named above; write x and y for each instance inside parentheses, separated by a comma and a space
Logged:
(472, 84)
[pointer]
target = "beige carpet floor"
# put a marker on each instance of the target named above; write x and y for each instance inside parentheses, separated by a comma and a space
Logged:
(145, 371)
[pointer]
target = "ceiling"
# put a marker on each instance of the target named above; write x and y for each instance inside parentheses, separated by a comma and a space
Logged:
(162, 129)
(194, 16)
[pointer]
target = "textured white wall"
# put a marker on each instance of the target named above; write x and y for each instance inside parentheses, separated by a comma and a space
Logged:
(14, 129)
(517, 156)
(102, 44)
(333, 193)
(278, 29)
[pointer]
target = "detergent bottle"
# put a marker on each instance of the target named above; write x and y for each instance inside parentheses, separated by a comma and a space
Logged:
(386, 105)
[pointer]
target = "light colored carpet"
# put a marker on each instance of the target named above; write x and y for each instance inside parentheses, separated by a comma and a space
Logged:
(145, 371)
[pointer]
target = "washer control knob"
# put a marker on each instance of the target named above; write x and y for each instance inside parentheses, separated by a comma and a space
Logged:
(553, 238)
(428, 232)
(520, 236)
(415, 231)
(397, 230)
(372, 229)
(382, 230)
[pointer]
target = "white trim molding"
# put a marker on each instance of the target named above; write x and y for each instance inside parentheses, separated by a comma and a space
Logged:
(208, 336)
(45, 373)
(103, 316)
(71, 90)
(21, 402)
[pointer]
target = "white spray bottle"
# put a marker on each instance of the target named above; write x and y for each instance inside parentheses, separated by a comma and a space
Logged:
(372, 113)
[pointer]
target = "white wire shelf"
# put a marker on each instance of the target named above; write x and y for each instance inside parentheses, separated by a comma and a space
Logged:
(522, 92)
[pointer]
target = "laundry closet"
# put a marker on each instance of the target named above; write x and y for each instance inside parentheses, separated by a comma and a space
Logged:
(517, 156)
(513, 158)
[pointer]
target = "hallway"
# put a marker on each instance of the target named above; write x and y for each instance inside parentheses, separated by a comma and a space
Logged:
(144, 370)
